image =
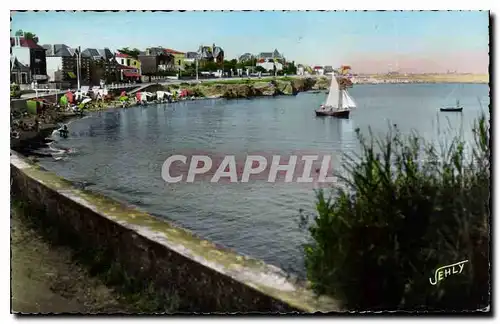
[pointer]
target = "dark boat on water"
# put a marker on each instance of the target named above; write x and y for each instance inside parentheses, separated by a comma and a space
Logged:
(452, 109)
(338, 102)
(457, 108)
(333, 113)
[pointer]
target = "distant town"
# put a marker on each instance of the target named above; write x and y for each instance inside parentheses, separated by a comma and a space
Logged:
(62, 66)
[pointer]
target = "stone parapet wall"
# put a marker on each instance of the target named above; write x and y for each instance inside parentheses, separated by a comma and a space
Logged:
(207, 277)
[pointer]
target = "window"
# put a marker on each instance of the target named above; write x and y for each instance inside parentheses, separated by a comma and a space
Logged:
(128, 62)
(179, 62)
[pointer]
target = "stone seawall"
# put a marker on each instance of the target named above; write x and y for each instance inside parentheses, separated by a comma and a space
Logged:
(209, 278)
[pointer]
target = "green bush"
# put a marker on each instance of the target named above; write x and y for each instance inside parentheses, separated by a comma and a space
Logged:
(397, 219)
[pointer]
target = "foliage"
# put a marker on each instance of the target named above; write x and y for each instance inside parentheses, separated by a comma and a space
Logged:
(189, 70)
(230, 65)
(289, 68)
(132, 52)
(245, 64)
(15, 91)
(209, 66)
(27, 35)
(405, 212)
(196, 92)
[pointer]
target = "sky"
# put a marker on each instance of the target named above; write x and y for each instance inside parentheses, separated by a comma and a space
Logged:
(371, 42)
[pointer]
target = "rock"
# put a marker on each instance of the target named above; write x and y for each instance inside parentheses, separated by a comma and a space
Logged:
(239, 91)
(266, 88)
(321, 84)
(286, 88)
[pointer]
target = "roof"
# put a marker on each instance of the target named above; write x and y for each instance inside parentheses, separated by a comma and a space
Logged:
(245, 56)
(266, 54)
(171, 51)
(118, 54)
(274, 54)
(192, 55)
(153, 51)
(317, 67)
(210, 51)
(58, 50)
(15, 64)
(25, 42)
(98, 53)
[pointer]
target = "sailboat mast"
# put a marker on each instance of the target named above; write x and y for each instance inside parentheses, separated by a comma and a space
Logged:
(339, 107)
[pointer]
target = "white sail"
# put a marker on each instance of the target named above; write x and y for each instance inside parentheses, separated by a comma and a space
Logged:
(332, 101)
(347, 101)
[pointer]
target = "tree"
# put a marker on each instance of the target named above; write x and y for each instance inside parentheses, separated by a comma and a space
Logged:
(209, 66)
(394, 222)
(230, 65)
(244, 64)
(289, 68)
(27, 35)
(131, 52)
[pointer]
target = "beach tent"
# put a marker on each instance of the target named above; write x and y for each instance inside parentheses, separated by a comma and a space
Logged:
(63, 101)
(32, 106)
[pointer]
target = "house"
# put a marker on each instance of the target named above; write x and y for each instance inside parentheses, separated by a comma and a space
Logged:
(62, 62)
(211, 54)
(19, 73)
(271, 57)
(130, 68)
(301, 69)
(245, 57)
(190, 58)
(179, 58)
(29, 54)
(155, 60)
(103, 66)
(270, 60)
(319, 70)
(328, 69)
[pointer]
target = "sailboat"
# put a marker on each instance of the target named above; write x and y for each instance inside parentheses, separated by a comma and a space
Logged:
(457, 108)
(338, 103)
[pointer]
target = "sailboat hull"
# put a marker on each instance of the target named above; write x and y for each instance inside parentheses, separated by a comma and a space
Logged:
(333, 113)
(452, 109)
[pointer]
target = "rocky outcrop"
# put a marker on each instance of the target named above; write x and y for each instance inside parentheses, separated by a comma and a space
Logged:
(321, 84)
(239, 91)
(251, 88)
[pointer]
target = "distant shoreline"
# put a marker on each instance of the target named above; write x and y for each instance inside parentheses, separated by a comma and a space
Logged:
(422, 78)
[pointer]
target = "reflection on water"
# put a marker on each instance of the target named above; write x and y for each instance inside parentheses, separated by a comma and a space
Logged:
(122, 152)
